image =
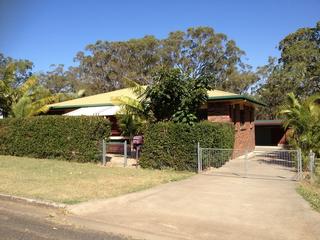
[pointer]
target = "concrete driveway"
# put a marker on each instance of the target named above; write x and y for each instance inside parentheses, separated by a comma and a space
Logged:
(206, 207)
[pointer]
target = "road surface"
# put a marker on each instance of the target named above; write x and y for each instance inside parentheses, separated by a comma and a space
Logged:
(19, 221)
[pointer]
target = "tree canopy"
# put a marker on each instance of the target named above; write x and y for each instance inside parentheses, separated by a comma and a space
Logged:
(200, 51)
(174, 96)
(303, 118)
(197, 55)
(297, 70)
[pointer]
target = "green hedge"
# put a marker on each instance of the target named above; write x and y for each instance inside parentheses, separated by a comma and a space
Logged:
(69, 138)
(173, 145)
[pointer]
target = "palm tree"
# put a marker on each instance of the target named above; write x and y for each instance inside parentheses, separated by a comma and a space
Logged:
(131, 105)
(131, 117)
(303, 118)
(32, 99)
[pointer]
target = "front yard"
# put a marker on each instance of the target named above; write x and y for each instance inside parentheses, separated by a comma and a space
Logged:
(70, 182)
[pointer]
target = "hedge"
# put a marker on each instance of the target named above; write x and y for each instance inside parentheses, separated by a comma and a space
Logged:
(173, 145)
(69, 138)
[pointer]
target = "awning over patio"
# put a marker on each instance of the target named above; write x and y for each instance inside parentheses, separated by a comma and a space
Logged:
(94, 111)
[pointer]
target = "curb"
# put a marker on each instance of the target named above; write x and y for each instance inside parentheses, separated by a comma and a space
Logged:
(34, 202)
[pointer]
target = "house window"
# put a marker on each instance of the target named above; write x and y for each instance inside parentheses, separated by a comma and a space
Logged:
(242, 117)
(235, 117)
(231, 112)
(251, 115)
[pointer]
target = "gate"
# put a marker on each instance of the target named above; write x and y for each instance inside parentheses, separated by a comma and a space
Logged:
(268, 164)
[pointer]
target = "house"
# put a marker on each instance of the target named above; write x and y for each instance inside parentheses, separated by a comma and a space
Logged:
(221, 107)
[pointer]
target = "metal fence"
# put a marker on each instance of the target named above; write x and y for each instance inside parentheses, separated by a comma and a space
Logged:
(277, 164)
(314, 167)
(118, 154)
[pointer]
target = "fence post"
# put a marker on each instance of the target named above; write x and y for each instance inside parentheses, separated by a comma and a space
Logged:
(103, 152)
(125, 153)
(299, 164)
(246, 163)
(311, 164)
(199, 158)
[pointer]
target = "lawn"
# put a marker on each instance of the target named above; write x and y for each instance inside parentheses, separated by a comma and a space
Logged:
(310, 190)
(70, 182)
(311, 193)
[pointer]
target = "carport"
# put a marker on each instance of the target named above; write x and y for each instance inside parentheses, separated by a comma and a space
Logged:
(270, 133)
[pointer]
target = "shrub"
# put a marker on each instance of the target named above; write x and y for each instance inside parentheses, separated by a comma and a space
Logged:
(173, 145)
(69, 138)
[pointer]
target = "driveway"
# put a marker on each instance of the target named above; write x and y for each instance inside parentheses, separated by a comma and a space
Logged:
(206, 207)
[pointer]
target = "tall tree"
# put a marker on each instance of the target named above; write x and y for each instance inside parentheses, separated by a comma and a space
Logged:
(108, 63)
(197, 52)
(297, 70)
(300, 59)
(58, 80)
(202, 52)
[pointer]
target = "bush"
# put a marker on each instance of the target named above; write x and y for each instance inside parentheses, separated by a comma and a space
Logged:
(69, 138)
(173, 145)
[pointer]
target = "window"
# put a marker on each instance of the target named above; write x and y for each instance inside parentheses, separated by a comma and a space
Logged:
(235, 113)
(242, 117)
(251, 115)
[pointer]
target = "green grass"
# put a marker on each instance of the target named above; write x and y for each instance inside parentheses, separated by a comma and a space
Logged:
(311, 193)
(70, 182)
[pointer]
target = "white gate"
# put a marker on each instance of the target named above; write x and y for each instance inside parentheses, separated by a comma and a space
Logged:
(268, 164)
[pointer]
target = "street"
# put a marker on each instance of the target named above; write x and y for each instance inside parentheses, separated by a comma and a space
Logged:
(19, 221)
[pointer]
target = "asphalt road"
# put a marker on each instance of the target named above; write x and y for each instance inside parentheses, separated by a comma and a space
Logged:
(19, 221)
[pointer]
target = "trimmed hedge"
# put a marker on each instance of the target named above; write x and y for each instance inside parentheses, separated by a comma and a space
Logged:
(69, 138)
(173, 145)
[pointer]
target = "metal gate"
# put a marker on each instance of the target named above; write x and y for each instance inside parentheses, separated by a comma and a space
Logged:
(268, 164)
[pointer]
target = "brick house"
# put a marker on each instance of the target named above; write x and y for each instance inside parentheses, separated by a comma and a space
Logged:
(220, 107)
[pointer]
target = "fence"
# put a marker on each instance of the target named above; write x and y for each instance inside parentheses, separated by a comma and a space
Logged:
(118, 153)
(272, 163)
(314, 167)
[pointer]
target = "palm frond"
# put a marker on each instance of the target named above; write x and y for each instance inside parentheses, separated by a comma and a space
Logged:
(136, 87)
(31, 82)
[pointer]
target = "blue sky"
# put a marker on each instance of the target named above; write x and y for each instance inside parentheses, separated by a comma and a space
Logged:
(52, 32)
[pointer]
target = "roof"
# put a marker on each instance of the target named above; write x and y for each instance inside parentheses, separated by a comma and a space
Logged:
(219, 95)
(102, 99)
(109, 98)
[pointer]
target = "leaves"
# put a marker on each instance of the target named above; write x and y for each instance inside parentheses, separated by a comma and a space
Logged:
(297, 70)
(197, 52)
(174, 96)
(303, 118)
(69, 138)
(173, 145)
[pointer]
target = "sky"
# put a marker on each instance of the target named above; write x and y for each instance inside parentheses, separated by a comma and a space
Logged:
(53, 31)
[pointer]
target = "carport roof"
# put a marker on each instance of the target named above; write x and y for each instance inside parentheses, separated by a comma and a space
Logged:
(268, 122)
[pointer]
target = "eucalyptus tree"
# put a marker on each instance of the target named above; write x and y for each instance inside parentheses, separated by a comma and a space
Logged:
(297, 70)
(197, 52)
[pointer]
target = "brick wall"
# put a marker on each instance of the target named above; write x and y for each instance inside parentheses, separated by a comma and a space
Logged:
(244, 132)
(219, 112)
(244, 135)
